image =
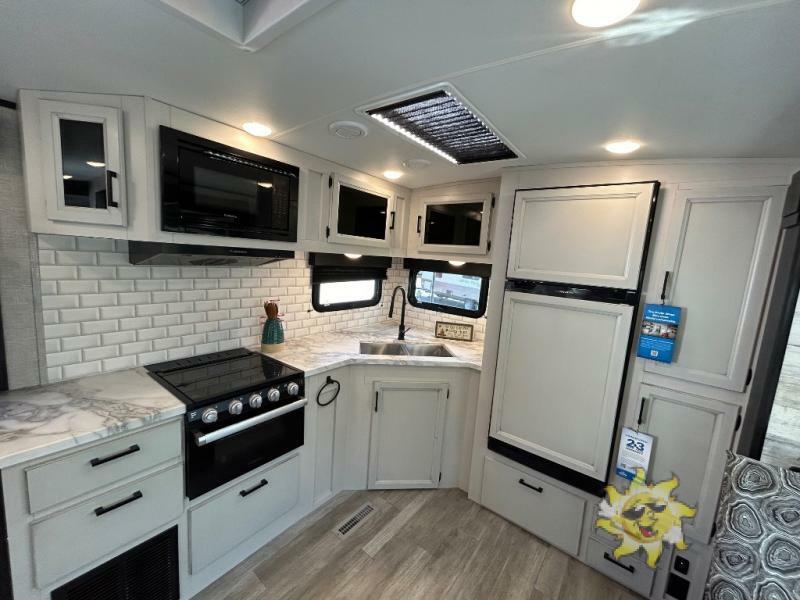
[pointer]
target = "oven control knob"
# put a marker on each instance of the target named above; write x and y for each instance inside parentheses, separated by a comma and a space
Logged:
(209, 415)
(255, 401)
(273, 395)
(235, 407)
(293, 389)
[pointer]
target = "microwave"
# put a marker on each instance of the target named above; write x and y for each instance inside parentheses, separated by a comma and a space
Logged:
(210, 188)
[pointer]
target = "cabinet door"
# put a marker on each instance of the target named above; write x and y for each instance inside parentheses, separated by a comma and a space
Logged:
(723, 243)
(454, 225)
(583, 235)
(559, 372)
(691, 435)
(406, 435)
(360, 214)
(82, 149)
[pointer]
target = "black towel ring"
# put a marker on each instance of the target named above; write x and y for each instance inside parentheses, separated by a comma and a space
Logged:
(329, 381)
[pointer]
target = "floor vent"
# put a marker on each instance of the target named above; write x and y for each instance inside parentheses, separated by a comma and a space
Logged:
(354, 521)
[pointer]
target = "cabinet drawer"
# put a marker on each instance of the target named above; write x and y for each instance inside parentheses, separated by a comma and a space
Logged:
(94, 529)
(630, 572)
(223, 522)
(548, 512)
(69, 477)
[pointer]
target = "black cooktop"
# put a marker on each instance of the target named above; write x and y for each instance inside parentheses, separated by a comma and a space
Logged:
(210, 377)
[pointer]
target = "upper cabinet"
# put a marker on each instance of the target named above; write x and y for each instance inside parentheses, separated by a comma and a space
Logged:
(589, 235)
(457, 225)
(360, 214)
(721, 245)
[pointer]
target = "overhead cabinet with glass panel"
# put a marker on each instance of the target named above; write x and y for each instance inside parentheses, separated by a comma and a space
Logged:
(454, 224)
(360, 214)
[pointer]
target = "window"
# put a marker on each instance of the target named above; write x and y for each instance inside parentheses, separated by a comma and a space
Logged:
(454, 290)
(340, 283)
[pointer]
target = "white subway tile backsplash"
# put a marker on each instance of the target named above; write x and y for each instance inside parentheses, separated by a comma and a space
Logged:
(81, 369)
(99, 326)
(118, 337)
(78, 342)
(95, 244)
(165, 320)
(90, 300)
(121, 362)
(100, 352)
(56, 359)
(95, 272)
(116, 285)
(75, 257)
(61, 273)
(135, 348)
(57, 242)
(52, 302)
(78, 315)
(116, 312)
(135, 323)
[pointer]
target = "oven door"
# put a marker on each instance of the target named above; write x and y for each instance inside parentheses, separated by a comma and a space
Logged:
(217, 454)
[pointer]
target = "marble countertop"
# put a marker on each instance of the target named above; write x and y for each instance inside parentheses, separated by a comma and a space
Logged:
(39, 421)
(325, 351)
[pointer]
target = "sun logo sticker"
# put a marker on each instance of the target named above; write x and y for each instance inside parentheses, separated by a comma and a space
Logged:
(644, 516)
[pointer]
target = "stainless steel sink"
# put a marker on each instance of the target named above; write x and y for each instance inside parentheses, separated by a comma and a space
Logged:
(402, 349)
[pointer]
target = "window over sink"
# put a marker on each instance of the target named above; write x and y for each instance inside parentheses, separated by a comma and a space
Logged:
(339, 282)
(443, 287)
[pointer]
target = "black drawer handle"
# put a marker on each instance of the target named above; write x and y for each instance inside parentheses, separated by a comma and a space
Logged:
(419, 223)
(107, 509)
(393, 217)
(611, 559)
(110, 189)
(531, 487)
(95, 462)
(256, 487)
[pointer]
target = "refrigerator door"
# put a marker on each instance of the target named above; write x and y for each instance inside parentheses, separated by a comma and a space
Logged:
(557, 386)
(592, 236)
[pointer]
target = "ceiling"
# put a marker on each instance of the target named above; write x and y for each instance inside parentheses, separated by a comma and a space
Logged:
(690, 78)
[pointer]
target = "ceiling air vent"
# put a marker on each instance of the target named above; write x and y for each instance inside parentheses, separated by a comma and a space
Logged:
(440, 120)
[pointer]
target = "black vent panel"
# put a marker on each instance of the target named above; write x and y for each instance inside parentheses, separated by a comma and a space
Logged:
(147, 572)
(441, 122)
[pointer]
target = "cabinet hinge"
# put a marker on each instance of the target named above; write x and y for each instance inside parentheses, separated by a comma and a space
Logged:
(327, 232)
(492, 200)
(749, 377)
(330, 181)
(738, 422)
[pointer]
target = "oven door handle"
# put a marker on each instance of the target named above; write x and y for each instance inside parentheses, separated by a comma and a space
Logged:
(219, 434)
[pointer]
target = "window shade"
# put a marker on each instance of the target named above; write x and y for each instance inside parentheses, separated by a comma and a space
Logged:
(332, 268)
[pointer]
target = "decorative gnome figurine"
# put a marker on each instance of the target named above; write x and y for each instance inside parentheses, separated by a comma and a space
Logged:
(272, 338)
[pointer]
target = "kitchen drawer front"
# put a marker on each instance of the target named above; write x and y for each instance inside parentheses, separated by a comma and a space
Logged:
(548, 512)
(69, 477)
(78, 536)
(630, 572)
(223, 522)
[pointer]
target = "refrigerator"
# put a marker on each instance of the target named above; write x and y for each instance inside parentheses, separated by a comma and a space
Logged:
(574, 284)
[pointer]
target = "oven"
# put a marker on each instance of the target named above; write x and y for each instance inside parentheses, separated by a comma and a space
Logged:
(211, 188)
(220, 452)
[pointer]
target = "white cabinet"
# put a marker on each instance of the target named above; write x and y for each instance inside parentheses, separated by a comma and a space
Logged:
(559, 370)
(591, 235)
(454, 224)
(82, 154)
(406, 435)
(722, 245)
(361, 214)
(692, 435)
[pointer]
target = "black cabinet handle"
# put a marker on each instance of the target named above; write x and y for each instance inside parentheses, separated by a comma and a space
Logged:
(107, 509)
(664, 286)
(640, 419)
(392, 225)
(419, 223)
(96, 462)
(256, 487)
(110, 188)
(532, 487)
(376, 401)
(611, 559)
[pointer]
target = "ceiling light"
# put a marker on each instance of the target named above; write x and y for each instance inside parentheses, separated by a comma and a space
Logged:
(416, 164)
(264, 184)
(352, 256)
(623, 146)
(602, 13)
(256, 129)
(67, 176)
(393, 174)
(457, 263)
(95, 164)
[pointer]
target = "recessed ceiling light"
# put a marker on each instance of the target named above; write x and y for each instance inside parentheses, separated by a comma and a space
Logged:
(348, 130)
(256, 129)
(602, 13)
(393, 174)
(457, 263)
(416, 164)
(95, 164)
(67, 176)
(623, 146)
(352, 256)
(264, 184)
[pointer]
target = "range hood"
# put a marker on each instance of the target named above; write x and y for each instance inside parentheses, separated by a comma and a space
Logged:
(190, 255)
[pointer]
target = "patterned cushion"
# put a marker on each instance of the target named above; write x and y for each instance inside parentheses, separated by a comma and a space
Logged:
(757, 544)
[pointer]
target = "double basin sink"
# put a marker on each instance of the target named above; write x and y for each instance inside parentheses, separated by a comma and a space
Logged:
(404, 349)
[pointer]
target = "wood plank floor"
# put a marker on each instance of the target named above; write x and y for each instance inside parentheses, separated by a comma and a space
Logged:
(415, 545)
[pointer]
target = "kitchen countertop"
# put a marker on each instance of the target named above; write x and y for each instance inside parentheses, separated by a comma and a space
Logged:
(324, 351)
(39, 421)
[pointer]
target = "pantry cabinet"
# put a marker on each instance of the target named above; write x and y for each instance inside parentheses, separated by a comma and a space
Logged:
(408, 422)
(721, 246)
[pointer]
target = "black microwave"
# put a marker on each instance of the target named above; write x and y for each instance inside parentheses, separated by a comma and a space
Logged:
(215, 189)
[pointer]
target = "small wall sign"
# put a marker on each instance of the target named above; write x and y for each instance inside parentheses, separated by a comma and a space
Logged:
(659, 332)
(454, 331)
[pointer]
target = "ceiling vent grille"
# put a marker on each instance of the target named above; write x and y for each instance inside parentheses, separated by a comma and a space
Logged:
(446, 125)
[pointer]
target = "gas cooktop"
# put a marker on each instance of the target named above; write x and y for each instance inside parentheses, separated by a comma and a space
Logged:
(204, 379)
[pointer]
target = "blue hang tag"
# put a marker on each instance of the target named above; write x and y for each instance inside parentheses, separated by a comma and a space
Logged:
(659, 332)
